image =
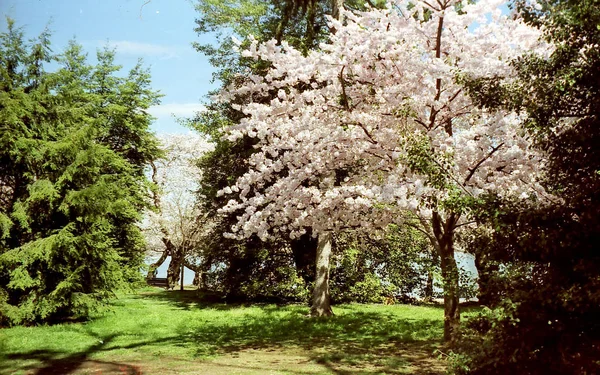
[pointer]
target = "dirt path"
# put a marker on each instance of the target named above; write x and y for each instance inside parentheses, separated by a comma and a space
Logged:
(281, 361)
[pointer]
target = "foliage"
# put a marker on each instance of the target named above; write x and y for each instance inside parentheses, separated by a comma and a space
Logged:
(73, 147)
(302, 24)
(364, 268)
(373, 268)
(374, 129)
(249, 272)
(385, 169)
(547, 322)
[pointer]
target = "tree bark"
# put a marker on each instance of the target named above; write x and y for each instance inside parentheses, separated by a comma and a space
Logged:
(444, 235)
(451, 298)
(336, 8)
(174, 270)
(182, 276)
(154, 266)
(197, 272)
(321, 302)
(429, 287)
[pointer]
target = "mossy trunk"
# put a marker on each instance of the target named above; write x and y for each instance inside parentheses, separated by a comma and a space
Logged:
(321, 301)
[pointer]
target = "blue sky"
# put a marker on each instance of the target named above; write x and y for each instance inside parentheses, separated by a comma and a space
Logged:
(160, 32)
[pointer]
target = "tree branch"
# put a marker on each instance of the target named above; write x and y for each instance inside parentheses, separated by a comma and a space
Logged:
(474, 169)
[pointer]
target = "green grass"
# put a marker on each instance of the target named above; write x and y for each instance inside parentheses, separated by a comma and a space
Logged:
(155, 331)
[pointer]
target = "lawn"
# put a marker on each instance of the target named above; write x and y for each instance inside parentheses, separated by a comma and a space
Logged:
(159, 332)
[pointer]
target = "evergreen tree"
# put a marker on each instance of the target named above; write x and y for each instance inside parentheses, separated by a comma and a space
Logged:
(73, 147)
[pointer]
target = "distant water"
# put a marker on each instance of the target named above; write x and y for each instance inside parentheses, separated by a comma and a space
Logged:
(463, 260)
(188, 274)
(467, 262)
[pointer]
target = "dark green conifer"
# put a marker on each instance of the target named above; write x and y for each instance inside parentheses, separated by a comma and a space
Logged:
(73, 146)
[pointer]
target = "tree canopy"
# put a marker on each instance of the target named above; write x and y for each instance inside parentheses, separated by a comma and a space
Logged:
(372, 129)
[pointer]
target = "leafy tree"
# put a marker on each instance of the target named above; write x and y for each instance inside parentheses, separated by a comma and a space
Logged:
(374, 129)
(547, 322)
(176, 224)
(300, 23)
(73, 147)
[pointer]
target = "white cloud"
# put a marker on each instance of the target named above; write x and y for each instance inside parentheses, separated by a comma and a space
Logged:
(148, 49)
(176, 109)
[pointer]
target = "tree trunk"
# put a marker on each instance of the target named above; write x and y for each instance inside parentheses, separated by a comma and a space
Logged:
(444, 235)
(197, 272)
(321, 302)
(197, 279)
(174, 270)
(451, 298)
(182, 276)
(336, 8)
(154, 266)
(434, 253)
(205, 267)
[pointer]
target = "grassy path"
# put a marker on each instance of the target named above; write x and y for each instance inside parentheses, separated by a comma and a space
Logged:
(159, 332)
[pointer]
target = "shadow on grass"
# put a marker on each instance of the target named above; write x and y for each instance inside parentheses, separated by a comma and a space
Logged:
(354, 341)
(55, 363)
(189, 299)
(369, 342)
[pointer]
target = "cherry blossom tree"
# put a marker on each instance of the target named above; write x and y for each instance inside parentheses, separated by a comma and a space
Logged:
(176, 224)
(375, 128)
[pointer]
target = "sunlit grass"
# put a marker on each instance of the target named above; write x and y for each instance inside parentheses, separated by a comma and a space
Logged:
(175, 325)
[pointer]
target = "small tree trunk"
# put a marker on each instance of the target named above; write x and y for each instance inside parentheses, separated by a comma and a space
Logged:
(182, 274)
(444, 236)
(174, 270)
(321, 302)
(487, 296)
(451, 298)
(198, 277)
(197, 269)
(336, 9)
(202, 271)
(429, 287)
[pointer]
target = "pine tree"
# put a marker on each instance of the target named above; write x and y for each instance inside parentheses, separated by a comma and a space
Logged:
(73, 146)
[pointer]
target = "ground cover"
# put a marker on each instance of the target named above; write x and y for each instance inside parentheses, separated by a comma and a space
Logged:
(171, 332)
